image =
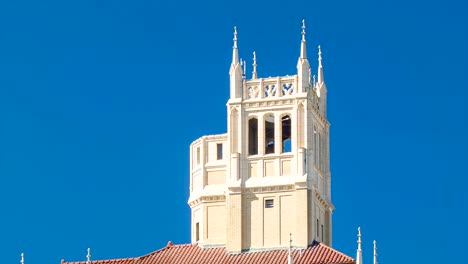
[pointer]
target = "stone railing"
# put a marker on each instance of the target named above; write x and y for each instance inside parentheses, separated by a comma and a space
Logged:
(270, 87)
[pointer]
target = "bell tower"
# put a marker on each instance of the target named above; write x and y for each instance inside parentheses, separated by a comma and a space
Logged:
(268, 178)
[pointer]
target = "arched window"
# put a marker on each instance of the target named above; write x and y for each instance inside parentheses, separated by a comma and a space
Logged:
(253, 136)
(269, 134)
(317, 228)
(322, 232)
(286, 134)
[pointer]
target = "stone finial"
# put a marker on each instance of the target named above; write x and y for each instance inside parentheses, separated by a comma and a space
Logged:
(235, 37)
(88, 257)
(303, 30)
(235, 53)
(22, 258)
(254, 72)
(320, 56)
(245, 68)
(303, 42)
(375, 252)
(320, 68)
(359, 249)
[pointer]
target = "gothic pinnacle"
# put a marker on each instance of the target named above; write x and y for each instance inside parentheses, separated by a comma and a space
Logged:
(359, 249)
(88, 257)
(254, 72)
(320, 68)
(235, 37)
(375, 252)
(303, 30)
(303, 42)
(235, 54)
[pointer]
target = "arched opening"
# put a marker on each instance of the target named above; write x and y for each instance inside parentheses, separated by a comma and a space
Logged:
(285, 134)
(253, 136)
(269, 134)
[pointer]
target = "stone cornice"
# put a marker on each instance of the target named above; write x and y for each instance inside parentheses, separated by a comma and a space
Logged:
(207, 199)
(322, 200)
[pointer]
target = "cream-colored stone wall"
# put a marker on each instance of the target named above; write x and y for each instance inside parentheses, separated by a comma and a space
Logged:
(234, 222)
(216, 177)
(268, 227)
(215, 224)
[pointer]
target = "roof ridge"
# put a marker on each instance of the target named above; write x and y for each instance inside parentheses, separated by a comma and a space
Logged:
(169, 245)
(334, 250)
(99, 260)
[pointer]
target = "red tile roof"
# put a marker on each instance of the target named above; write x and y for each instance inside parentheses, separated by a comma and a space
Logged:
(317, 253)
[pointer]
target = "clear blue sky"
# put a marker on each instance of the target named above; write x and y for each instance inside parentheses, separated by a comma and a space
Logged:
(99, 101)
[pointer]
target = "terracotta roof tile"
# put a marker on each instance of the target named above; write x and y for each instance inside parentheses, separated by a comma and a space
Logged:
(316, 253)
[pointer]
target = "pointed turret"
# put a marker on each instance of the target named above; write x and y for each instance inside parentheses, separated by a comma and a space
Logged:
(254, 65)
(359, 249)
(375, 252)
(321, 87)
(235, 72)
(303, 64)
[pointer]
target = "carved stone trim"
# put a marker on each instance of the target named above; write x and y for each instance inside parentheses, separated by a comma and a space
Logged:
(208, 199)
(280, 188)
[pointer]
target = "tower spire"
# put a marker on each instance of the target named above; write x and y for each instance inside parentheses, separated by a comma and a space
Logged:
(254, 72)
(320, 68)
(359, 250)
(303, 42)
(235, 53)
(88, 257)
(22, 258)
(375, 252)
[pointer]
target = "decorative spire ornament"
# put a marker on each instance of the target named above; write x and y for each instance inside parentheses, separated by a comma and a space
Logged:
(254, 72)
(245, 68)
(235, 37)
(320, 68)
(303, 42)
(303, 30)
(235, 53)
(236, 73)
(375, 252)
(22, 258)
(88, 257)
(359, 249)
